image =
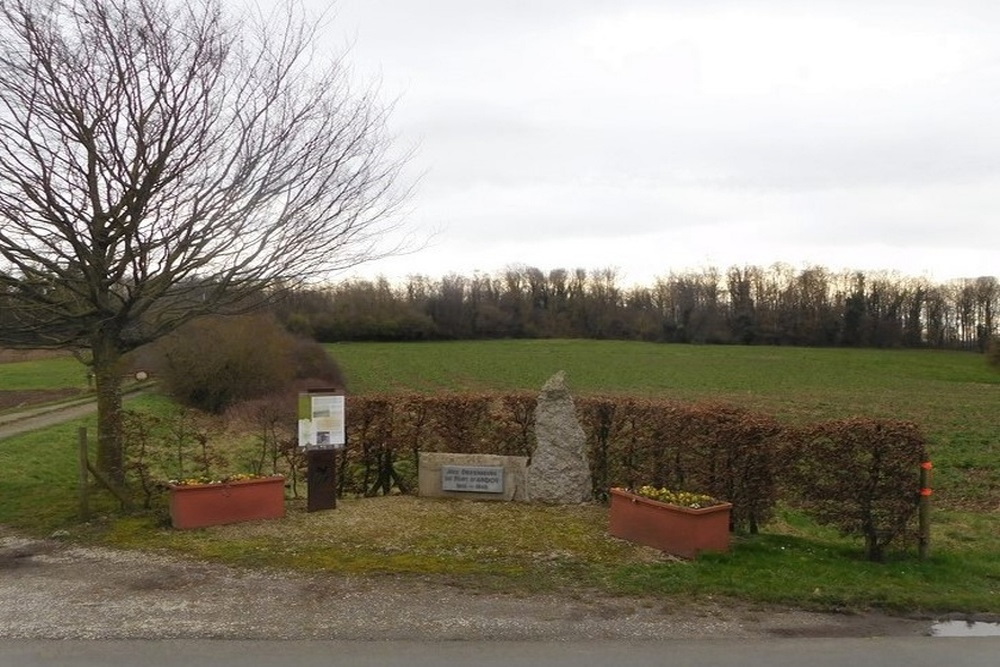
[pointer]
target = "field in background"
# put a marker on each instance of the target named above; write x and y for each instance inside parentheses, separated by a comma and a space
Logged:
(60, 372)
(33, 378)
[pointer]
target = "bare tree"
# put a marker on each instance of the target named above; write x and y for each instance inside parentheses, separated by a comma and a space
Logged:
(163, 159)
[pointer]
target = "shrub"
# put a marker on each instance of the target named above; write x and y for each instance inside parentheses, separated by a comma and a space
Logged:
(140, 433)
(720, 450)
(313, 364)
(860, 475)
(214, 362)
(374, 470)
(714, 449)
(729, 453)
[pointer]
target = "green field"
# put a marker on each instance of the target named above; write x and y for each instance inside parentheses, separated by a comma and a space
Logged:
(810, 377)
(953, 396)
(55, 373)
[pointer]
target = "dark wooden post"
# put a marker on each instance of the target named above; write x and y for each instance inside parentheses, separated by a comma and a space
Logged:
(321, 479)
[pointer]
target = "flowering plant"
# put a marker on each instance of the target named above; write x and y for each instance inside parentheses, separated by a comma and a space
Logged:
(202, 480)
(679, 498)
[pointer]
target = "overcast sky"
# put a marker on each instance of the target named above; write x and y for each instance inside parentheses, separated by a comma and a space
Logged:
(680, 134)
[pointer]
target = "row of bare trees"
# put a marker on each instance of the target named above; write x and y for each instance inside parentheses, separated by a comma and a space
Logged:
(776, 305)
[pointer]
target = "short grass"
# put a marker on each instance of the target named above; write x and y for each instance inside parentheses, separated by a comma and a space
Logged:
(38, 488)
(53, 373)
(530, 548)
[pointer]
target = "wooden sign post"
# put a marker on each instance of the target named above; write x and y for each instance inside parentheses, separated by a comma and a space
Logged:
(321, 434)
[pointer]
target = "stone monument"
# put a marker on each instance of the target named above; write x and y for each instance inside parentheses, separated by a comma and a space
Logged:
(559, 472)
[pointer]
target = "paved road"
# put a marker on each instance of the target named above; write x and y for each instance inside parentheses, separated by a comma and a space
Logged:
(883, 652)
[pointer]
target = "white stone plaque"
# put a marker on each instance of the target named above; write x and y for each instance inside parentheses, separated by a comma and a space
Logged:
(472, 479)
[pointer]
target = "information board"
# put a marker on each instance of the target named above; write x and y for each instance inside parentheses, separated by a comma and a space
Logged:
(321, 420)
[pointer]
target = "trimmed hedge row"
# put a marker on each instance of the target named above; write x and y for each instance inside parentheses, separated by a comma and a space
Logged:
(861, 475)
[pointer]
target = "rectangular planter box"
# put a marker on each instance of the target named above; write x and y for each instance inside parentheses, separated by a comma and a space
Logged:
(680, 531)
(200, 505)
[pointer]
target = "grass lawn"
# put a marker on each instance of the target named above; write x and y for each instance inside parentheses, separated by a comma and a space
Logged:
(530, 548)
(54, 373)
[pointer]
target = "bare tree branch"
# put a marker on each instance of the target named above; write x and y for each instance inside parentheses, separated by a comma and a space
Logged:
(152, 146)
(163, 159)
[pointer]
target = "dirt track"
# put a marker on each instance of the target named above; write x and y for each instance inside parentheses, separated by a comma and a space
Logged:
(12, 424)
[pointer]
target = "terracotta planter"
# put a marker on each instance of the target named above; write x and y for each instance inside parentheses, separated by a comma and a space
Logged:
(200, 505)
(680, 531)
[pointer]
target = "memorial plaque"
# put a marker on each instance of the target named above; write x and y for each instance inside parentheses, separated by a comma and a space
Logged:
(472, 479)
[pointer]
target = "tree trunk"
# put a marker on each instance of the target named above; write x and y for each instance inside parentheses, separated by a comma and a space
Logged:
(107, 375)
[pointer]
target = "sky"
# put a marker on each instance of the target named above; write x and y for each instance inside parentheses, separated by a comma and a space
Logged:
(665, 136)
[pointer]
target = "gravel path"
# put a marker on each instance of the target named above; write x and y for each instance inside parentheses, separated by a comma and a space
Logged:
(53, 590)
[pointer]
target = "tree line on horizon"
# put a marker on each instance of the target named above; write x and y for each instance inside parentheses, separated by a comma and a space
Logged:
(752, 305)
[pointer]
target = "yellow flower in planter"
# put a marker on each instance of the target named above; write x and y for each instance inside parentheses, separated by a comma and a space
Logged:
(203, 480)
(679, 498)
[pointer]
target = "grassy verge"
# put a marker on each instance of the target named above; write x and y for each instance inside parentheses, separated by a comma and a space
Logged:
(529, 549)
(38, 489)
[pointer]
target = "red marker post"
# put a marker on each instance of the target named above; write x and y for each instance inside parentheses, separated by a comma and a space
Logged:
(924, 538)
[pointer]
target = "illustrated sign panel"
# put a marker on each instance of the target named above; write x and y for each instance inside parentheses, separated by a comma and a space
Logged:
(321, 421)
(472, 479)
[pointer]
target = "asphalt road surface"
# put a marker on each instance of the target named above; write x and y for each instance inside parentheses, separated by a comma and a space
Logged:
(883, 652)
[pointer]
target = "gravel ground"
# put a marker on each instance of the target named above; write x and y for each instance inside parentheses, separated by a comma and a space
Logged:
(53, 590)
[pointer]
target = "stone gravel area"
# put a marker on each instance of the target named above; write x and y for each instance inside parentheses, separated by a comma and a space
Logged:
(50, 589)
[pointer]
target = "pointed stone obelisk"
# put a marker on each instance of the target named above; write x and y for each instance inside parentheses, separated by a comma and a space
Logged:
(559, 472)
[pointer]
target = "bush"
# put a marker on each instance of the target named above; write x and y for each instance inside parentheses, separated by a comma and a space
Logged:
(314, 366)
(212, 363)
(718, 450)
(715, 449)
(730, 454)
(860, 475)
